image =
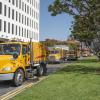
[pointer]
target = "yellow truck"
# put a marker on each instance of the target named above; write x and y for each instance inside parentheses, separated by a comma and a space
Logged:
(20, 61)
(56, 55)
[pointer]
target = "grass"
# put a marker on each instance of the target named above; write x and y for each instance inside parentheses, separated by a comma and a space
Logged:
(77, 81)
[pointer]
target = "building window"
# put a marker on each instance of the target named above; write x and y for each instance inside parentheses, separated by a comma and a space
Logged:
(23, 6)
(37, 26)
(25, 20)
(30, 34)
(22, 19)
(19, 17)
(20, 4)
(12, 28)
(16, 29)
(30, 11)
(32, 23)
(4, 26)
(12, 13)
(34, 14)
(22, 32)
(13, 2)
(8, 27)
(34, 35)
(19, 31)
(37, 36)
(16, 16)
(9, 12)
(0, 24)
(32, 2)
(16, 3)
(36, 5)
(27, 33)
(5, 9)
(0, 8)
(28, 1)
(27, 9)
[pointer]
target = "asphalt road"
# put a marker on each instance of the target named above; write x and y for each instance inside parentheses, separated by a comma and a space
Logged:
(6, 87)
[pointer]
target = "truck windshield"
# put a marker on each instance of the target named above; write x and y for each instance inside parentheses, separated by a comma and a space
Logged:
(54, 52)
(9, 49)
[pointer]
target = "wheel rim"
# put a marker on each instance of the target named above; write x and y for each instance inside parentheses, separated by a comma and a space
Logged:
(41, 70)
(19, 77)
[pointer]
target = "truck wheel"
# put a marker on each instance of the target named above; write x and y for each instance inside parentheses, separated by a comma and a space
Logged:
(44, 69)
(41, 70)
(18, 77)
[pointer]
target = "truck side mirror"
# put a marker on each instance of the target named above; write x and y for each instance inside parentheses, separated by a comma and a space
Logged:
(15, 55)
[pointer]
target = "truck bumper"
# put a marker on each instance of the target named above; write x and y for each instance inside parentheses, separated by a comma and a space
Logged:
(54, 61)
(5, 77)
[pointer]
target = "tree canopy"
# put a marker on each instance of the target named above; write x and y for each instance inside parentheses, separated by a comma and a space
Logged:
(86, 14)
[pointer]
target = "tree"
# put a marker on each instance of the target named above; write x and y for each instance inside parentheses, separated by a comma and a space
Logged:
(86, 14)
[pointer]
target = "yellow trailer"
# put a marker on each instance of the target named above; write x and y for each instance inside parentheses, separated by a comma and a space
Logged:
(19, 61)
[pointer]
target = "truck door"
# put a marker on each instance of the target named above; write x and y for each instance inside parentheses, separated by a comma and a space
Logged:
(25, 53)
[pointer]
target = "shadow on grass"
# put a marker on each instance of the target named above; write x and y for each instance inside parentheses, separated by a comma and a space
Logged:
(88, 61)
(80, 69)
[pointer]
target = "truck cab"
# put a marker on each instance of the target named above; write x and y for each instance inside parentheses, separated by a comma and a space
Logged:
(54, 56)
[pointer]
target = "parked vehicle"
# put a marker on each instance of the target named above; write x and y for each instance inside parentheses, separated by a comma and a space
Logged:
(72, 55)
(86, 52)
(20, 61)
(56, 55)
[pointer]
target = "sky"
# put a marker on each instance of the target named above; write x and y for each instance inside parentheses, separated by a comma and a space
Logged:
(53, 27)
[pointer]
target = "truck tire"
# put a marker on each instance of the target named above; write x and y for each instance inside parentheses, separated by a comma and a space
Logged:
(18, 77)
(41, 70)
(44, 69)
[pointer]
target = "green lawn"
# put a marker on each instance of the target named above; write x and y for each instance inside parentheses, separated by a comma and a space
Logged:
(77, 81)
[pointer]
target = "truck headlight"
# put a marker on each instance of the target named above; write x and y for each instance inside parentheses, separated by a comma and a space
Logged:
(7, 69)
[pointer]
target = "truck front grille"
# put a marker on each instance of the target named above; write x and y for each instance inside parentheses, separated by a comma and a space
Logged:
(51, 58)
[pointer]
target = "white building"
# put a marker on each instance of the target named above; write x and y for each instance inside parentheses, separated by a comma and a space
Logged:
(64, 47)
(19, 19)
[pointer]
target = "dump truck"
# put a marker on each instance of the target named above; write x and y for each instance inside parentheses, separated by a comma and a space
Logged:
(20, 61)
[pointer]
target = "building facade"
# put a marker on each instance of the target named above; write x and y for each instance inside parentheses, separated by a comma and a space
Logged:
(19, 19)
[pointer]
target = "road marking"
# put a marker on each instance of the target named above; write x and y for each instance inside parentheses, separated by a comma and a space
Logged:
(20, 89)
